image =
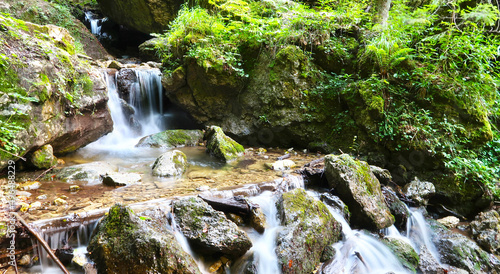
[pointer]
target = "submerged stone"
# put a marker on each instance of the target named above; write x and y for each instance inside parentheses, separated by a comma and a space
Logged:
(308, 230)
(124, 243)
(356, 185)
(208, 230)
(120, 178)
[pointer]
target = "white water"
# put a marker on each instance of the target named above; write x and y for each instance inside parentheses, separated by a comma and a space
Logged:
(419, 233)
(95, 23)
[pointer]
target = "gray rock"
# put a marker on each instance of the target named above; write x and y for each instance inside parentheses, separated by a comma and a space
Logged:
(308, 229)
(383, 175)
(337, 204)
(356, 185)
(459, 251)
(398, 209)
(120, 178)
(170, 163)
(419, 191)
(486, 230)
(221, 146)
(90, 172)
(172, 138)
(208, 230)
(449, 221)
(123, 242)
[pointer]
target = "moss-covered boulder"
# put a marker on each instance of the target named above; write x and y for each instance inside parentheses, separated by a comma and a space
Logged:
(221, 146)
(123, 242)
(170, 163)
(172, 138)
(43, 158)
(404, 251)
(356, 185)
(460, 251)
(208, 230)
(308, 229)
(147, 16)
(49, 95)
(61, 14)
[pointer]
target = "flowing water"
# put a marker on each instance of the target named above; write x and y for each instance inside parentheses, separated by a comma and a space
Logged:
(419, 233)
(95, 23)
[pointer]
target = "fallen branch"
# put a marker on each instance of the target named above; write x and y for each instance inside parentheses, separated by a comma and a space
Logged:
(15, 155)
(17, 252)
(45, 172)
(41, 241)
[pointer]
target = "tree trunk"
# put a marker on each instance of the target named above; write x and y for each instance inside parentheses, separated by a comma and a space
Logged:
(382, 11)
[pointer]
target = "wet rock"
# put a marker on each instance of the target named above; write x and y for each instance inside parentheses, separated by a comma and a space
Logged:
(35, 205)
(221, 146)
(419, 191)
(404, 251)
(90, 172)
(147, 50)
(74, 188)
(170, 163)
(383, 175)
(449, 222)
(113, 64)
(120, 179)
(208, 230)
(281, 165)
(459, 251)
(356, 185)
(308, 229)
(427, 263)
(43, 158)
(126, 80)
(172, 138)
(124, 243)
(398, 209)
(59, 202)
(235, 218)
(337, 204)
(486, 230)
(25, 260)
(29, 185)
(42, 197)
(258, 220)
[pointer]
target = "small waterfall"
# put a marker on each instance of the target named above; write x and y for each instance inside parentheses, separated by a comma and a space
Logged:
(263, 249)
(95, 23)
(360, 253)
(420, 234)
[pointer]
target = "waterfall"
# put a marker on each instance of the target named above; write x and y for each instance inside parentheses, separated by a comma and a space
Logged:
(420, 234)
(95, 23)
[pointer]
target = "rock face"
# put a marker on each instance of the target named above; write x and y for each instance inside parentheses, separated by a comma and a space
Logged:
(124, 243)
(462, 252)
(170, 163)
(172, 138)
(419, 191)
(356, 185)
(54, 98)
(308, 229)
(147, 16)
(208, 230)
(43, 158)
(221, 146)
(398, 209)
(486, 230)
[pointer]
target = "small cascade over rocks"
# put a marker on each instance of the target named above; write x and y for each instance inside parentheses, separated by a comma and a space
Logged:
(95, 22)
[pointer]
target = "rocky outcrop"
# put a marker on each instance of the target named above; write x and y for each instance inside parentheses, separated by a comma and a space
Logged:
(123, 242)
(208, 230)
(147, 16)
(356, 185)
(459, 251)
(486, 230)
(170, 163)
(308, 229)
(54, 98)
(221, 146)
(172, 138)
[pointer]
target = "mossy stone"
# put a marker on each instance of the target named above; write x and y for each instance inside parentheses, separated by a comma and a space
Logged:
(43, 158)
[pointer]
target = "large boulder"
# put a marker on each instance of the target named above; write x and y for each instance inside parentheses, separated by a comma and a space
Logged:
(172, 138)
(170, 163)
(123, 242)
(308, 229)
(90, 172)
(356, 185)
(53, 98)
(147, 16)
(460, 251)
(221, 146)
(486, 230)
(208, 230)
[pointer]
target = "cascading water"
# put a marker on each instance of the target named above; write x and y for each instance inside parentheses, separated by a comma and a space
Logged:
(95, 23)
(420, 234)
